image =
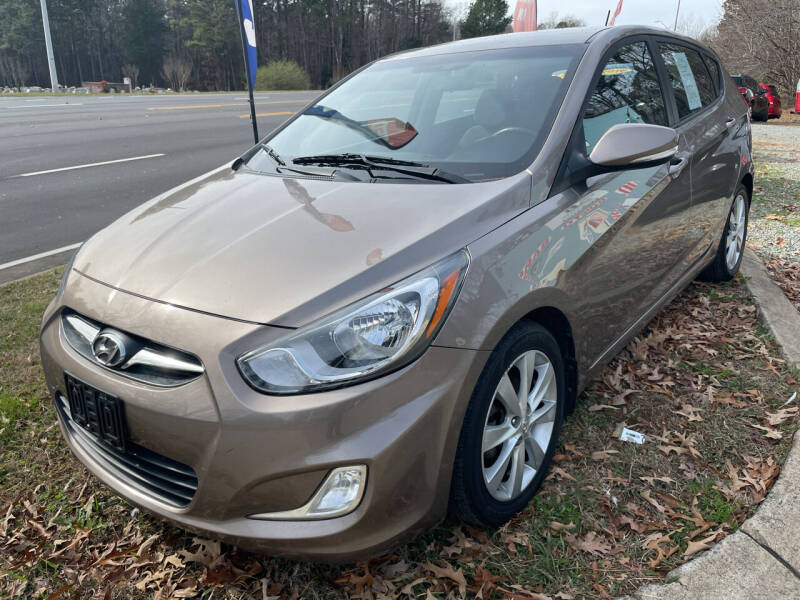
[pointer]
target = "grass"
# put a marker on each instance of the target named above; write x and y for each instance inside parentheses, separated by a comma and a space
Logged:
(591, 531)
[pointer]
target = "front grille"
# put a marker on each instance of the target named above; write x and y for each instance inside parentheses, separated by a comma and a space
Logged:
(144, 360)
(166, 480)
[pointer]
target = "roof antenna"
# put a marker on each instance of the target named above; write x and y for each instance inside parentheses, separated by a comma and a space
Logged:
(608, 16)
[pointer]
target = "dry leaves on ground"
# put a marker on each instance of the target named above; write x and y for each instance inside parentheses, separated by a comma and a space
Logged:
(705, 386)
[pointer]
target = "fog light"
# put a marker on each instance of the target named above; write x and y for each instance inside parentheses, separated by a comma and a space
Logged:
(340, 493)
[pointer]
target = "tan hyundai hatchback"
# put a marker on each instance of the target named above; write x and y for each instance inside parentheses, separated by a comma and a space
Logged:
(386, 309)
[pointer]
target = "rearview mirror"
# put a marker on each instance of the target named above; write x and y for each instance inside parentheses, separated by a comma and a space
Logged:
(634, 144)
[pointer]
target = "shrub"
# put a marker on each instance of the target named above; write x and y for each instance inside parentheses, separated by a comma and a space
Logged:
(282, 75)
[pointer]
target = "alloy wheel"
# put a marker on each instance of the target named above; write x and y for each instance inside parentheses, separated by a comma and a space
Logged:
(519, 425)
(737, 221)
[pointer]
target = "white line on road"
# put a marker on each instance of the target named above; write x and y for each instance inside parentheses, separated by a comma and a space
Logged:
(45, 105)
(97, 164)
(22, 261)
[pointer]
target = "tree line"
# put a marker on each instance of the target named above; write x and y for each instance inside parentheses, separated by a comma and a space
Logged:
(195, 44)
(760, 38)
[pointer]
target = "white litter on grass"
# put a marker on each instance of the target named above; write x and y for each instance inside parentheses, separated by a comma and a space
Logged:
(629, 435)
(792, 397)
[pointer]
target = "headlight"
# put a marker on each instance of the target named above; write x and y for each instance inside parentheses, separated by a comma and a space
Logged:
(378, 334)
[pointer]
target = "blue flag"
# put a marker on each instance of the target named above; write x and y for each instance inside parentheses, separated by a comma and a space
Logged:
(245, 11)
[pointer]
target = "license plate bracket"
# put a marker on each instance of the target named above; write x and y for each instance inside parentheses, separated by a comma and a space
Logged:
(99, 413)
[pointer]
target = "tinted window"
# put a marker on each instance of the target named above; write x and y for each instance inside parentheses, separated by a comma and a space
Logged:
(691, 82)
(713, 68)
(628, 92)
(480, 115)
(773, 90)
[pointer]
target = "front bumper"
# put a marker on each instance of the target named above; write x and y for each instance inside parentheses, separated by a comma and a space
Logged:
(254, 453)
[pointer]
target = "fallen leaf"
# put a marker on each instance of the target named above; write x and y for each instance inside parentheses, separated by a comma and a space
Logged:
(591, 543)
(693, 548)
(449, 572)
(559, 472)
(783, 415)
(772, 434)
(603, 454)
(659, 507)
(598, 407)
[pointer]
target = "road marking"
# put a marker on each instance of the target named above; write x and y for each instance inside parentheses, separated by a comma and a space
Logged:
(97, 164)
(44, 105)
(22, 261)
(190, 106)
(275, 114)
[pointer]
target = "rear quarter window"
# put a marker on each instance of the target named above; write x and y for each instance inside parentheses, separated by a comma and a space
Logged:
(713, 69)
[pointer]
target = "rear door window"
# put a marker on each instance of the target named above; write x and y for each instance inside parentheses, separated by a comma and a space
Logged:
(628, 92)
(692, 85)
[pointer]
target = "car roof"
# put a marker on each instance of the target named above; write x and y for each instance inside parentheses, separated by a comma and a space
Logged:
(544, 37)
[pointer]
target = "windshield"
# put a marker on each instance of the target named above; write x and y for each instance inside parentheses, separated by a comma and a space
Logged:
(470, 115)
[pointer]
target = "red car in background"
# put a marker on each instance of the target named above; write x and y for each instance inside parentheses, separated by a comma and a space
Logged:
(797, 98)
(771, 94)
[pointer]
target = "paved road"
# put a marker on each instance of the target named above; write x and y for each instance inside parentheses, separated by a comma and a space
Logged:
(180, 136)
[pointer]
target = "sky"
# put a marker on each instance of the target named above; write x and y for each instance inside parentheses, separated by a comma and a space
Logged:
(699, 13)
(640, 12)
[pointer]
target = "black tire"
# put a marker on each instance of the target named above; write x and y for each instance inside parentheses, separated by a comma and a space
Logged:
(718, 270)
(470, 499)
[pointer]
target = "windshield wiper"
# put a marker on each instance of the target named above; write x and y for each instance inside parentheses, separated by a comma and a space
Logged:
(362, 161)
(273, 155)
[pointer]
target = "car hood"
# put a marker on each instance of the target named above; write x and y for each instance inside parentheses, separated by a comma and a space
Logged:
(284, 251)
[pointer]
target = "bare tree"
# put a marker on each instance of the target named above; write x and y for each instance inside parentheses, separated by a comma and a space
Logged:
(690, 26)
(762, 38)
(557, 21)
(177, 70)
(131, 71)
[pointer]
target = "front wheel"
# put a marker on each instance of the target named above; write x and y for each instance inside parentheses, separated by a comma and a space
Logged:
(731, 247)
(510, 429)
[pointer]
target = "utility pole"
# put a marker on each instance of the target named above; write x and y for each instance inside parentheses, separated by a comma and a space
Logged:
(51, 61)
(677, 10)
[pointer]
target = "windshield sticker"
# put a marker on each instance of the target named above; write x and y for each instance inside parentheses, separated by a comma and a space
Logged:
(689, 84)
(618, 69)
(560, 74)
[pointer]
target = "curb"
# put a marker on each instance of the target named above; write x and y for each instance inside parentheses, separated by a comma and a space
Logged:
(762, 558)
(774, 308)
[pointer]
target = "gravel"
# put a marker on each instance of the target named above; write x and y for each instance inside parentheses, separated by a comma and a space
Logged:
(774, 230)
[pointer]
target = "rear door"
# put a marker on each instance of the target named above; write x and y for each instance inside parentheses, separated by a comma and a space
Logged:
(706, 124)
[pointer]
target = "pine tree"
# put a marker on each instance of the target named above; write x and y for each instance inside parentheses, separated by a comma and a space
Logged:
(485, 17)
(143, 31)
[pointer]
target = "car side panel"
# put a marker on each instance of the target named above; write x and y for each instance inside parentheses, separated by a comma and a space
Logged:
(597, 257)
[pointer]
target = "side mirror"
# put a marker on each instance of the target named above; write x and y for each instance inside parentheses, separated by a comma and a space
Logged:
(634, 145)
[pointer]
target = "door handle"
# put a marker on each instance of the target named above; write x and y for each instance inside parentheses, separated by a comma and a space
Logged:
(730, 122)
(676, 166)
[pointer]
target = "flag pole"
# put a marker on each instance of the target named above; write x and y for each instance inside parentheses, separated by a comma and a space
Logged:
(247, 69)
